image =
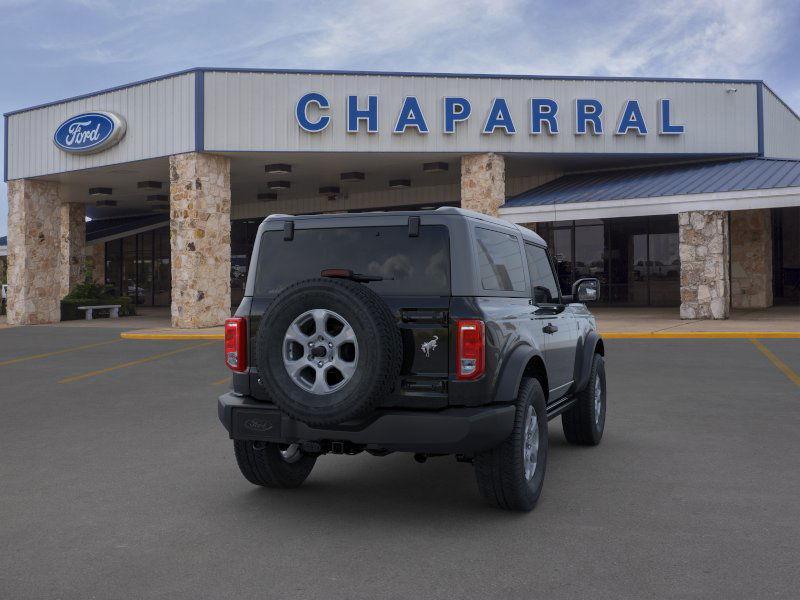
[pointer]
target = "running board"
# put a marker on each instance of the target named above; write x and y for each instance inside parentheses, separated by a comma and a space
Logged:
(559, 406)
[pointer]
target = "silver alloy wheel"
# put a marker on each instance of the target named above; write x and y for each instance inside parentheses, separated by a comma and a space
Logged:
(598, 399)
(530, 450)
(320, 351)
(291, 453)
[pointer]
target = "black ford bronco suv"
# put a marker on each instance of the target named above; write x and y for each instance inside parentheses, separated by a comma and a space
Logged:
(432, 332)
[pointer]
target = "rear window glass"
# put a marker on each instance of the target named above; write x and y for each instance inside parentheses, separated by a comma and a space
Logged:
(410, 266)
(500, 261)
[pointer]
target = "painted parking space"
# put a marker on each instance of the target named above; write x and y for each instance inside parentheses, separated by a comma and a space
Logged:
(109, 475)
(22, 343)
(786, 351)
(71, 363)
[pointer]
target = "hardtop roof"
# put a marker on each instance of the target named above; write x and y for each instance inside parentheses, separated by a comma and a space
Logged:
(450, 211)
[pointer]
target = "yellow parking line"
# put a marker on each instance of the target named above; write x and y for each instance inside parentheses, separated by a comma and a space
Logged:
(132, 363)
(54, 353)
(779, 364)
(221, 381)
(127, 335)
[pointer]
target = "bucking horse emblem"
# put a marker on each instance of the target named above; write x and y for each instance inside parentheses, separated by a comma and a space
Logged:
(429, 346)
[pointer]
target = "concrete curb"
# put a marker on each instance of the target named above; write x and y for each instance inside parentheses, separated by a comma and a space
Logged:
(698, 335)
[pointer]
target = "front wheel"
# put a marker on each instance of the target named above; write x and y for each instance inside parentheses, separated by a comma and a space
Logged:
(584, 423)
(511, 475)
(273, 465)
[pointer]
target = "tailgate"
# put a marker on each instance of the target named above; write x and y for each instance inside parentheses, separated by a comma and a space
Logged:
(423, 324)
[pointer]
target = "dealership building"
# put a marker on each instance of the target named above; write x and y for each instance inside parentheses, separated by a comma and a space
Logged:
(672, 192)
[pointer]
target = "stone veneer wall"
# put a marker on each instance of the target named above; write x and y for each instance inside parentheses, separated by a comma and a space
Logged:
(703, 247)
(96, 257)
(751, 258)
(200, 239)
(483, 182)
(72, 239)
(34, 243)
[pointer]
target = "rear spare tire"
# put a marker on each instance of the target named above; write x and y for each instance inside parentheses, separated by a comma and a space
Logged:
(327, 350)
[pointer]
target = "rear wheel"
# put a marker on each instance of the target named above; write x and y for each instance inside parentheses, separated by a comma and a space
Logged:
(584, 423)
(511, 475)
(273, 465)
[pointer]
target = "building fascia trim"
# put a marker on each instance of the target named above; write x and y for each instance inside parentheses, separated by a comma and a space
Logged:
(383, 74)
(760, 117)
(5, 148)
(199, 110)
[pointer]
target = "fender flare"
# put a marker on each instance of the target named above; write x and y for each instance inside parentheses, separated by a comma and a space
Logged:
(511, 375)
(583, 359)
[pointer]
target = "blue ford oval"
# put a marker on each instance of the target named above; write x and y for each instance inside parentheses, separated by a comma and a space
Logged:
(89, 132)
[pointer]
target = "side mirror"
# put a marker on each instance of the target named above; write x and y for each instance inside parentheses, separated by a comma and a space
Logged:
(586, 290)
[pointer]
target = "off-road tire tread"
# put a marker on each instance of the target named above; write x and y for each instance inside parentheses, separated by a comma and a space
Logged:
(578, 421)
(265, 466)
(498, 470)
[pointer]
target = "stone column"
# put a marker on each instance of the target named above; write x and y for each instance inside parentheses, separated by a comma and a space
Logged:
(703, 247)
(72, 245)
(34, 243)
(200, 239)
(96, 257)
(751, 258)
(483, 182)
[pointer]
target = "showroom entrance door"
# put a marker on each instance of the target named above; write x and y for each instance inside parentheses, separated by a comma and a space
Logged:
(636, 259)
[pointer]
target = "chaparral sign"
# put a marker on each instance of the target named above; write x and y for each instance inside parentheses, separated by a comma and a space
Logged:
(588, 116)
(90, 132)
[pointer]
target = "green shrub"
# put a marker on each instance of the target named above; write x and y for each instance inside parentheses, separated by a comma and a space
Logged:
(90, 293)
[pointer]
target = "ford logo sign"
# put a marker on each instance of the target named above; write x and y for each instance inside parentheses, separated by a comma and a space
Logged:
(90, 132)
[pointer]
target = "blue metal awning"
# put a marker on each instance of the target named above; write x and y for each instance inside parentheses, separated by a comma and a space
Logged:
(671, 180)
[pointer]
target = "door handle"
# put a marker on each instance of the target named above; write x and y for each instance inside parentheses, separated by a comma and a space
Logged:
(549, 328)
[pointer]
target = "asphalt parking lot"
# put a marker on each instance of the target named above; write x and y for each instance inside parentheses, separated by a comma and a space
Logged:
(117, 481)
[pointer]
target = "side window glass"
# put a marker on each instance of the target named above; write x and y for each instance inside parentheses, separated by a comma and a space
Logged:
(543, 281)
(500, 261)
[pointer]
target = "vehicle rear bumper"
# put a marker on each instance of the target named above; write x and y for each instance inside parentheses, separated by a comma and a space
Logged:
(447, 431)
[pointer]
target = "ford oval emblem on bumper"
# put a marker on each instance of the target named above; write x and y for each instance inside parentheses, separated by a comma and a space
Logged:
(258, 424)
(90, 132)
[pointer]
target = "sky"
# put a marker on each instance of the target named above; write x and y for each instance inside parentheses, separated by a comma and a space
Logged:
(57, 49)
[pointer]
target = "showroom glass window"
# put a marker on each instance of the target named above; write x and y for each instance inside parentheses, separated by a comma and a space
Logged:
(635, 259)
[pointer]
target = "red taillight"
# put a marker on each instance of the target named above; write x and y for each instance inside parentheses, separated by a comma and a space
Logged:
(236, 344)
(470, 349)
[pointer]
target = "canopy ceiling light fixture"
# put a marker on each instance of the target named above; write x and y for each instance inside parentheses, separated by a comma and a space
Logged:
(158, 198)
(106, 203)
(352, 176)
(399, 183)
(149, 185)
(279, 185)
(267, 196)
(435, 167)
(278, 168)
(100, 191)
